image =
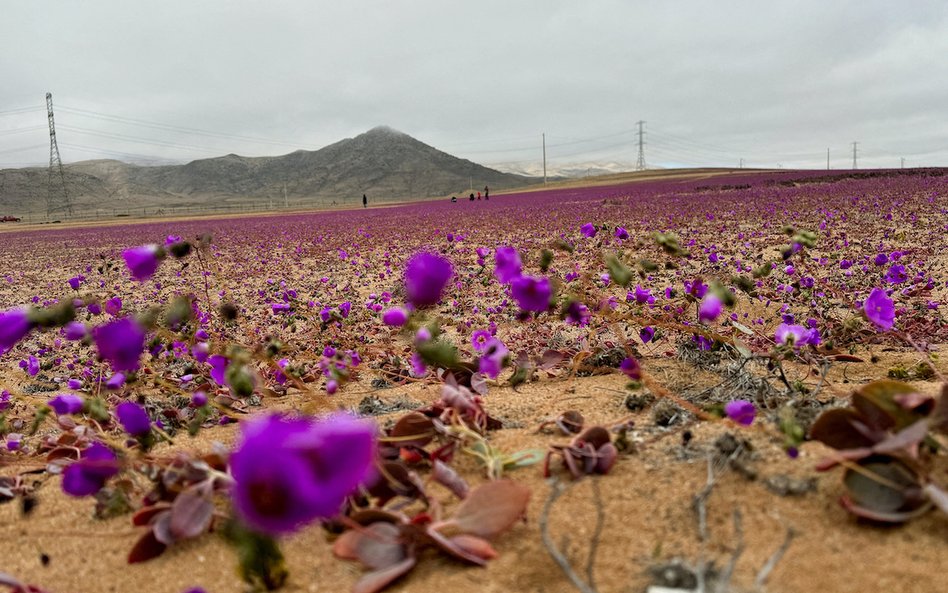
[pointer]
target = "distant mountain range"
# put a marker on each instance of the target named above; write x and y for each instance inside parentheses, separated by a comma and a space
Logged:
(383, 163)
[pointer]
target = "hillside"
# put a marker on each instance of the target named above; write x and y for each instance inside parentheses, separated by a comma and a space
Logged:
(384, 163)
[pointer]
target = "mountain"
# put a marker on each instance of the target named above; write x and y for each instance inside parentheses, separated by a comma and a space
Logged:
(383, 163)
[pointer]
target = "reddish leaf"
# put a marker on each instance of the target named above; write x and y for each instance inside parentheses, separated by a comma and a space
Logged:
(870, 488)
(345, 545)
(379, 579)
(380, 546)
(162, 528)
(449, 546)
(146, 548)
(846, 358)
(835, 429)
(876, 401)
(551, 358)
(474, 545)
(882, 516)
(413, 429)
(146, 515)
(491, 508)
(445, 475)
(478, 384)
(937, 496)
(939, 415)
(191, 514)
(907, 439)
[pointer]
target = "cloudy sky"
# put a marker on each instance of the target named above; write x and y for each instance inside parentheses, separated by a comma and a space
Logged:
(775, 84)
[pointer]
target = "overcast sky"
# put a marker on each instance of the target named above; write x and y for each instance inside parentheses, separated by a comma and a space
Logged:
(772, 83)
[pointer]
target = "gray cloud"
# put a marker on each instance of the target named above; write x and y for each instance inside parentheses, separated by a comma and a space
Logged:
(716, 81)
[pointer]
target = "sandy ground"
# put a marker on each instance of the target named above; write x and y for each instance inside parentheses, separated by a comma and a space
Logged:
(646, 500)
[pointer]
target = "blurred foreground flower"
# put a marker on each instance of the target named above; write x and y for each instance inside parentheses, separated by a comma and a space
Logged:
(121, 343)
(88, 475)
(507, 264)
(425, 277)
(14, 326)
(532, 293)
(291, 471)
(143, 261)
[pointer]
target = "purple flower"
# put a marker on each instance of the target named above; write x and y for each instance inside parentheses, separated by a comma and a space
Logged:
(741, 411)
(198, 399)
(113, 306)
(425, 277)
(344, 308)
(479, 339)
(143, 261)
(280, 308)
(200, 351)
(577, 314)
(218, 368)
(418, 366)
(631, 369)
(14, 326)
(646, 334)
(88, 475)
(75, 330)
(881, 259)
(492, 360)
(588, 230)
(621, 233)
(710, 308)
(896, 274)
(65, 404)
(791, 335)
(133, 418)
(643, 295)
(291, 471)
(33, 366)
(507, 264)
(396, 316)
(879, 309)
(120, 342)
(696, 289)
(845, 264)
(115, 382)
(532, 293)
(75, 282)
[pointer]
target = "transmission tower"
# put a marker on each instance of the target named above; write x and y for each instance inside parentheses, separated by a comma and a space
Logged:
(640, 162)
(56, 186)
(855, 144)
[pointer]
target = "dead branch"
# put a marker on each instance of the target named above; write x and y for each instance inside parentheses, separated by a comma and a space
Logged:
(556, 490)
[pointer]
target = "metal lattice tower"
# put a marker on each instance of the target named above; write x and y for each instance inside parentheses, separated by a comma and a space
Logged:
(57, 196)
(640, 162)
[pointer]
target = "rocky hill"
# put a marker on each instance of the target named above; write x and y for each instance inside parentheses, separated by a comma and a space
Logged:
(383, 163)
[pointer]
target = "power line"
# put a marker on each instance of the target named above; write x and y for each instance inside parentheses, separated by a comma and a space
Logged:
(173, 128)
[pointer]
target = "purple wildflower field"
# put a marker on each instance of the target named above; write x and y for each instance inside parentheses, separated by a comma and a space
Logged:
(414, 388)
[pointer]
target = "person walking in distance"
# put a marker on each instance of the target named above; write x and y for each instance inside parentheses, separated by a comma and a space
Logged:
(486, 193)
(365, 201)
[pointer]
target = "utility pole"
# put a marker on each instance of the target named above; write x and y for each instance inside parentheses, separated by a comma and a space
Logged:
(640, 161)
(544, 158)
(903, 163)
(827, 159)
(56, 179)
(741, 165)
(855, 144)
(286, 203)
